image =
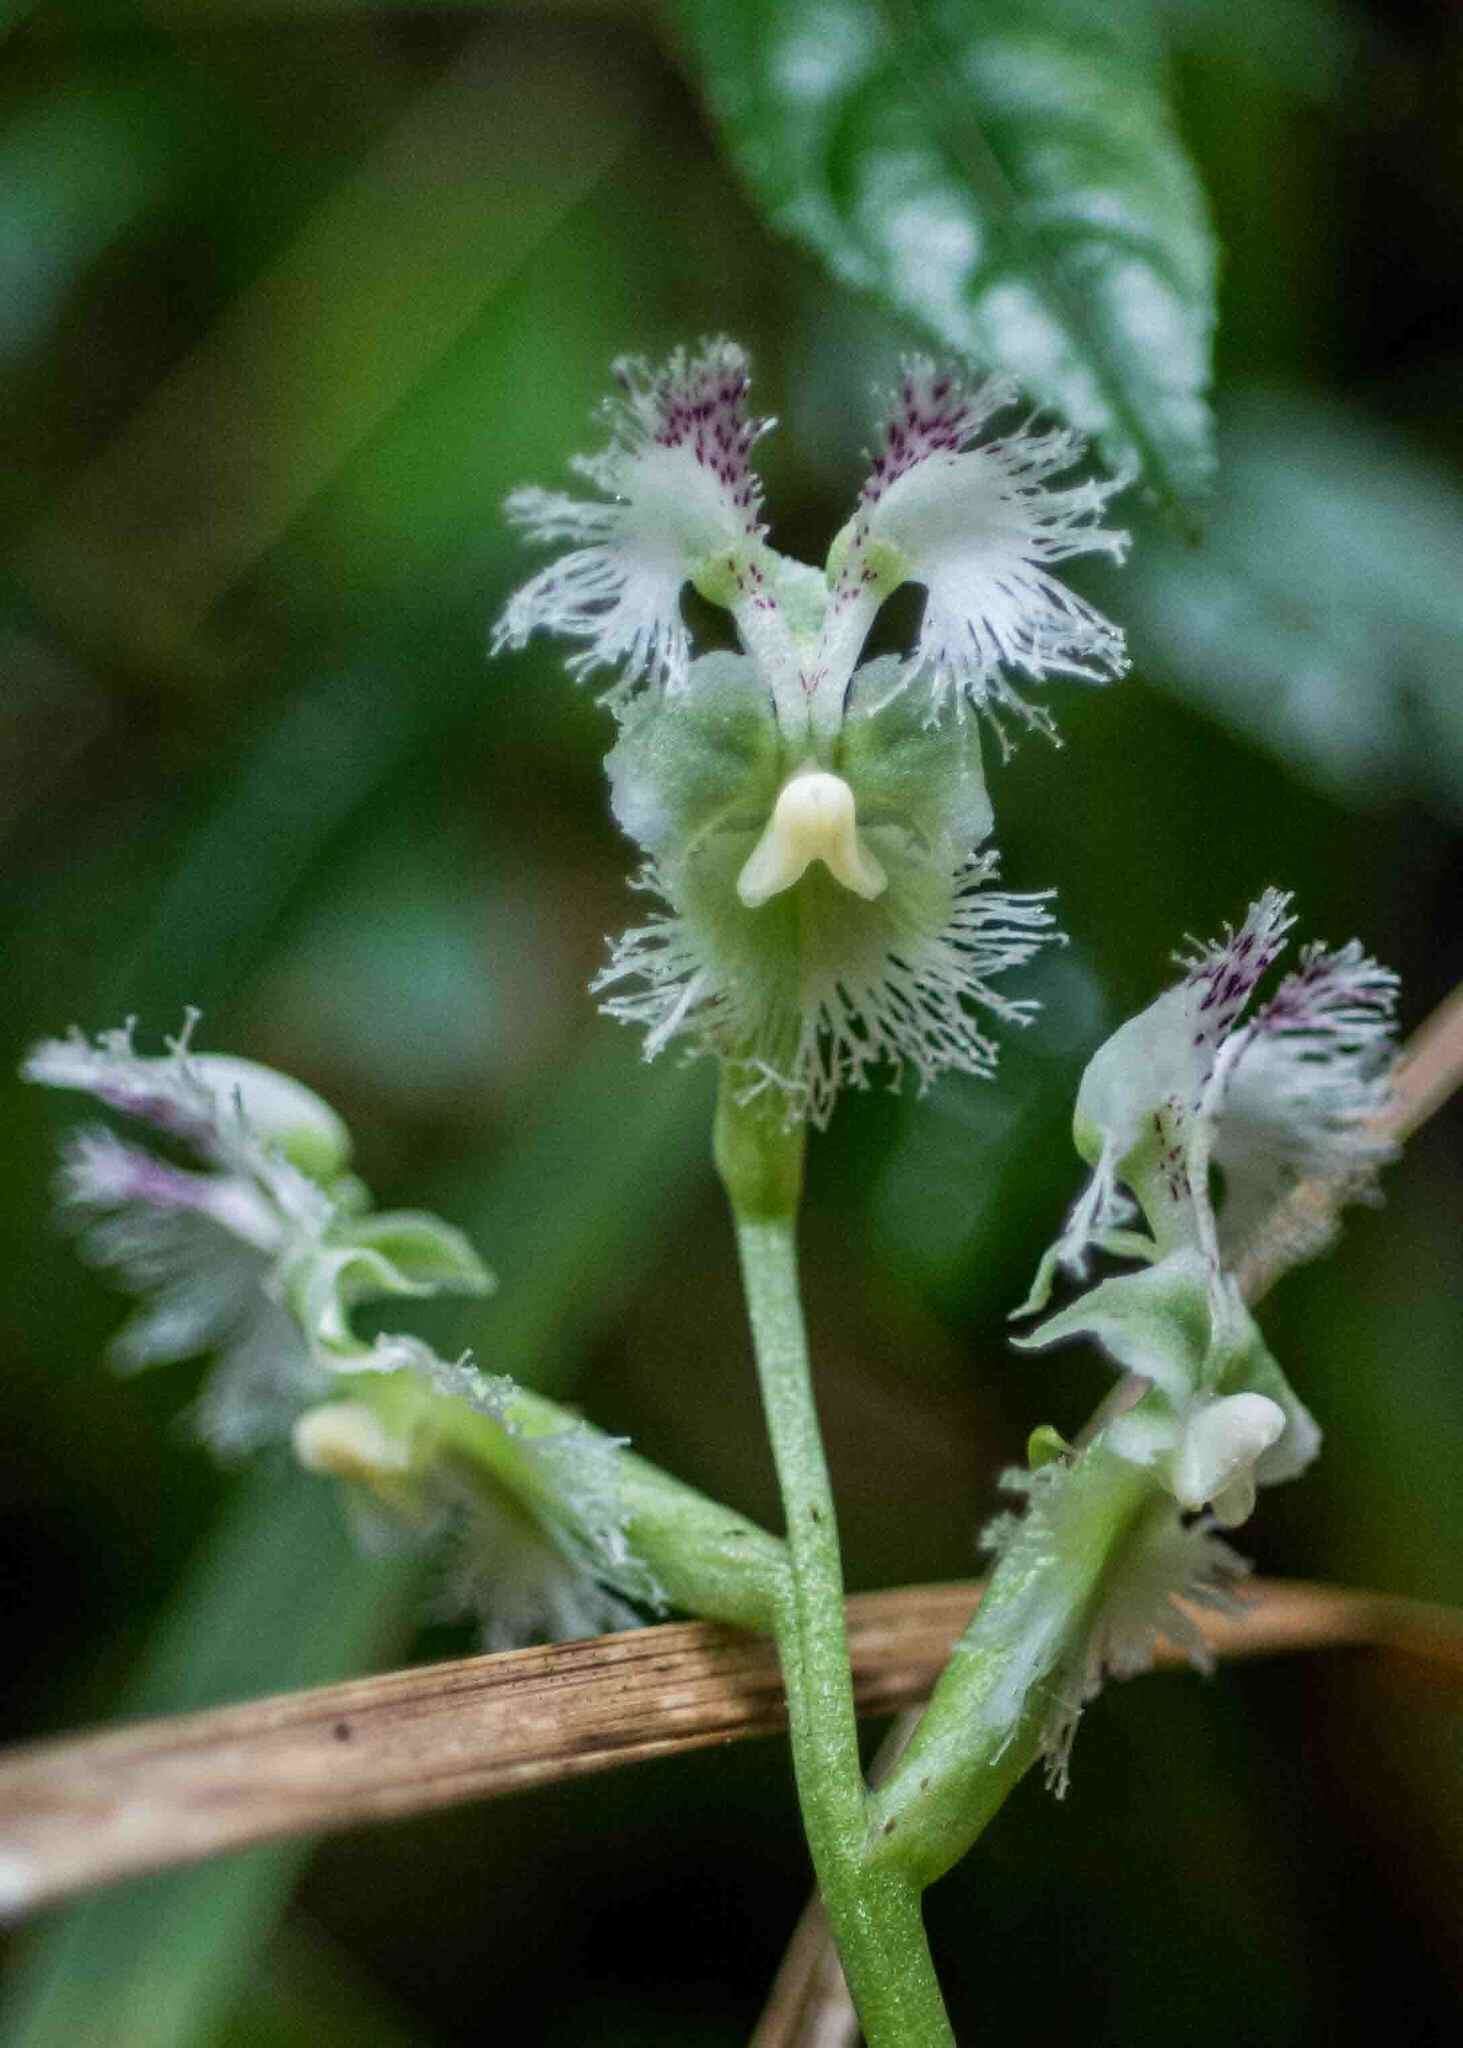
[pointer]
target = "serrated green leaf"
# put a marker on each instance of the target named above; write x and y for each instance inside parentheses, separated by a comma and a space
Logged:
(1007, 176)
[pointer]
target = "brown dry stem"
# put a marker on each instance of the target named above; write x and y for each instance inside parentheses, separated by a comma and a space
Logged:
(89, 1809)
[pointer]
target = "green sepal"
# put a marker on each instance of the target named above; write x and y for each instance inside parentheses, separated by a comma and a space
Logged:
(398, 1253)
(1155, 1322)
(984, 1723)
(1190, 1337)
(1045, 1446)
(886, 564)
(349, 1195)
(716, 764)
(914, 766)
(433, 1255)
(292, 1118)
(707, 1559)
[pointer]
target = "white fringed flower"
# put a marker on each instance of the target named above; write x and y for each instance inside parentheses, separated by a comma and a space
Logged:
(821, 927)
(256, 1251)
(683, 506)
(1291, 1092)
(814, 826)
(1271, 1093)
(1204, 1415)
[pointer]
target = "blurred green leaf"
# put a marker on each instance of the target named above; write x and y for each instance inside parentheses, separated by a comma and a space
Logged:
(76, 169)
(1324, 614)
(274, 808)
(1304, 47)
(1007, 176)
(569, 1221)
(311, 1994)
(407, 249)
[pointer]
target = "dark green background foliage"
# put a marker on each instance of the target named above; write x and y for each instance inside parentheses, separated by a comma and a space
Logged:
(290, 294)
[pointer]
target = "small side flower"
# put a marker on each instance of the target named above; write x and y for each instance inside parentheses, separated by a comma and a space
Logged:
(256, 1250)
(1290, 1088)
(1291, 1091)
(531, 1528)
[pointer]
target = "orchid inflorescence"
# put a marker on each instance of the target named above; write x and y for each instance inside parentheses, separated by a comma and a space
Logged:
(815, 826)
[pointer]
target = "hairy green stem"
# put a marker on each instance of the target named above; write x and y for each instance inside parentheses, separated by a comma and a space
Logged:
(704, 1558)
(874, 1912)
(985, 1722)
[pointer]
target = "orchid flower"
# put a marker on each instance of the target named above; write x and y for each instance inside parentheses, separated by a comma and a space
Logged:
(258, 1247)
(1290, 1091)
(1270, 1092)
(815, 825)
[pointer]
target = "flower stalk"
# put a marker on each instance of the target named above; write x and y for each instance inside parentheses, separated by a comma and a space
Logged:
(874, 1911)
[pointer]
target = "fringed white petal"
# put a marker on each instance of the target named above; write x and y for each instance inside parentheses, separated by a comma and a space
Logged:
(246, 1121)
(1222, 974)
(916, 1007)
(261, 1377)
(192, 1248)
(502, 1570)
(1302, 1098)
(1143, 1112)
(979, 527)
(202, 1250)
(167, 1093)
(682, 493)
(100, 1171)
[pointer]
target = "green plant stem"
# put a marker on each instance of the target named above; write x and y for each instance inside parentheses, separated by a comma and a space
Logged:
(703, 1558)
(874, 1912)
(983, 1727)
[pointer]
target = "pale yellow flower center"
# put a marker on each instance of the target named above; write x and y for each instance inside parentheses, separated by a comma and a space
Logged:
(813, 819)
